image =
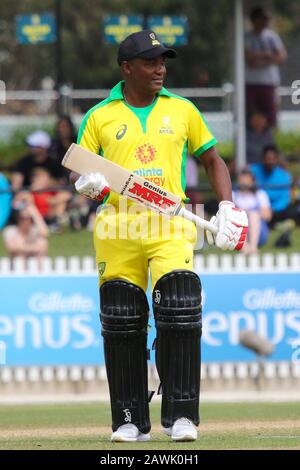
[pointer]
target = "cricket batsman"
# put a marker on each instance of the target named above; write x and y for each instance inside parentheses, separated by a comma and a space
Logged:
(148, 130)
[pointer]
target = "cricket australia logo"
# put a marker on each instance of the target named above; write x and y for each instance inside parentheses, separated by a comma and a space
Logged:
(101, 268)
(127, 418)
(154, 41)
(157, 297)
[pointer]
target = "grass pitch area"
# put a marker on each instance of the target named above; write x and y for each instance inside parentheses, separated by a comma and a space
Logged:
(80, 244)
(87, 426)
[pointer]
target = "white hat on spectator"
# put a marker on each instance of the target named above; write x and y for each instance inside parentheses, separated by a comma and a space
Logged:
(38, 139)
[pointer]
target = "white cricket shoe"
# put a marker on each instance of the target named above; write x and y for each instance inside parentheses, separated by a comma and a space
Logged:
(129, 433)
(182, 430)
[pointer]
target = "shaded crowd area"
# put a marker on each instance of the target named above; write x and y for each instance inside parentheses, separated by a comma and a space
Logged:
(36, 198)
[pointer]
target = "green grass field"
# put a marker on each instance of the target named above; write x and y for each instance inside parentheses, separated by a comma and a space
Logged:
(81, 244)
(87, 426)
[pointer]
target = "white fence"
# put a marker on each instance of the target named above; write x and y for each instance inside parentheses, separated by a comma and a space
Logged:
(213, 371)
(266, 262)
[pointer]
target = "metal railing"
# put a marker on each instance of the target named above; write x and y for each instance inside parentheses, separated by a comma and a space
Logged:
(67, 95)
(205, 92)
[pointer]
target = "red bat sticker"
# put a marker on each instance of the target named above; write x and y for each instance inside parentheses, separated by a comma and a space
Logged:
(151, 196)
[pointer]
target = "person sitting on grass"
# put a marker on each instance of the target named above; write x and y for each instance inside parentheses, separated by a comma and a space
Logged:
(51, 201)
(257, 205)
(277, 182)
(29, 236)
(5, 200)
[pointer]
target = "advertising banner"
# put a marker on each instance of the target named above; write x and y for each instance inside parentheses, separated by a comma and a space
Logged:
(35, 28)
(173, 30)
(54, 319)
(118, 27)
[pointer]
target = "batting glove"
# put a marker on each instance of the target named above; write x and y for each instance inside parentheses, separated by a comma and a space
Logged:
(93, 185)
(232, 224)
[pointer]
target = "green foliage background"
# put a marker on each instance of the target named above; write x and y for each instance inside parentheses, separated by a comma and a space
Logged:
(90, 63)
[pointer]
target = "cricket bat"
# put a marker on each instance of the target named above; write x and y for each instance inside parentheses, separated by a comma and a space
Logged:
(132, 186)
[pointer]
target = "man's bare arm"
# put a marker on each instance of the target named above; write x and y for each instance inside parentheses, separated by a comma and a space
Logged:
(259, 59)
(218, 174)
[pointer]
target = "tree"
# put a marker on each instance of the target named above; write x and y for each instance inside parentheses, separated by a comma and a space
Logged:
(88, 62)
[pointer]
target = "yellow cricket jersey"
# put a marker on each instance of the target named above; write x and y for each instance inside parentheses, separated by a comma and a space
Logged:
(152, 142)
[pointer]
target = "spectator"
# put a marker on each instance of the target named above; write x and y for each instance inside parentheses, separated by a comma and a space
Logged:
(65, 135)
(5, 200)
(270, 173)
(257, 205)
(51, 204)
(38, 143)
(264, 51)
(29, 237)
(258, 136)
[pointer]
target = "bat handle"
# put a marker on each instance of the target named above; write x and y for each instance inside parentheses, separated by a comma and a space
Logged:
(198, 220)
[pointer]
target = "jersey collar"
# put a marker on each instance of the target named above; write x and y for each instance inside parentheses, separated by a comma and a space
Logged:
(116, 92)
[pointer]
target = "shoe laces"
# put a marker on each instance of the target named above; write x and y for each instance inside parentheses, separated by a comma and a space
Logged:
(183, 421)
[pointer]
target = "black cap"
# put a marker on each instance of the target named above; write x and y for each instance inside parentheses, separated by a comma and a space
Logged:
(145, 44)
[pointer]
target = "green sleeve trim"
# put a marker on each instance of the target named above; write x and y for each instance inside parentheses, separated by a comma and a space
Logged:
(205, 147)
(183, 166)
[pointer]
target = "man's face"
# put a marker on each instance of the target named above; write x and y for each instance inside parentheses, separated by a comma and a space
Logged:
(261, 22)
(270, 160)
(245, 182)
(147, 75)
(39, 153)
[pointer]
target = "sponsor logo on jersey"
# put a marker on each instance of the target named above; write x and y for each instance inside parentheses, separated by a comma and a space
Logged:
(166, 128)
(145, 153)
(121, 131)
(155, 175)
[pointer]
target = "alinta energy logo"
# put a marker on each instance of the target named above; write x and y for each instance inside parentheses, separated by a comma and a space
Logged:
(146, 153)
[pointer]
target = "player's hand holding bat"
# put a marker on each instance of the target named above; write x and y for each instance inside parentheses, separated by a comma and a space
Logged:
(232, 224)
(93, 185)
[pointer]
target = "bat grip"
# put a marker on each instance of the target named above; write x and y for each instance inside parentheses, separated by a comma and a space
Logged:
(198, 220)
